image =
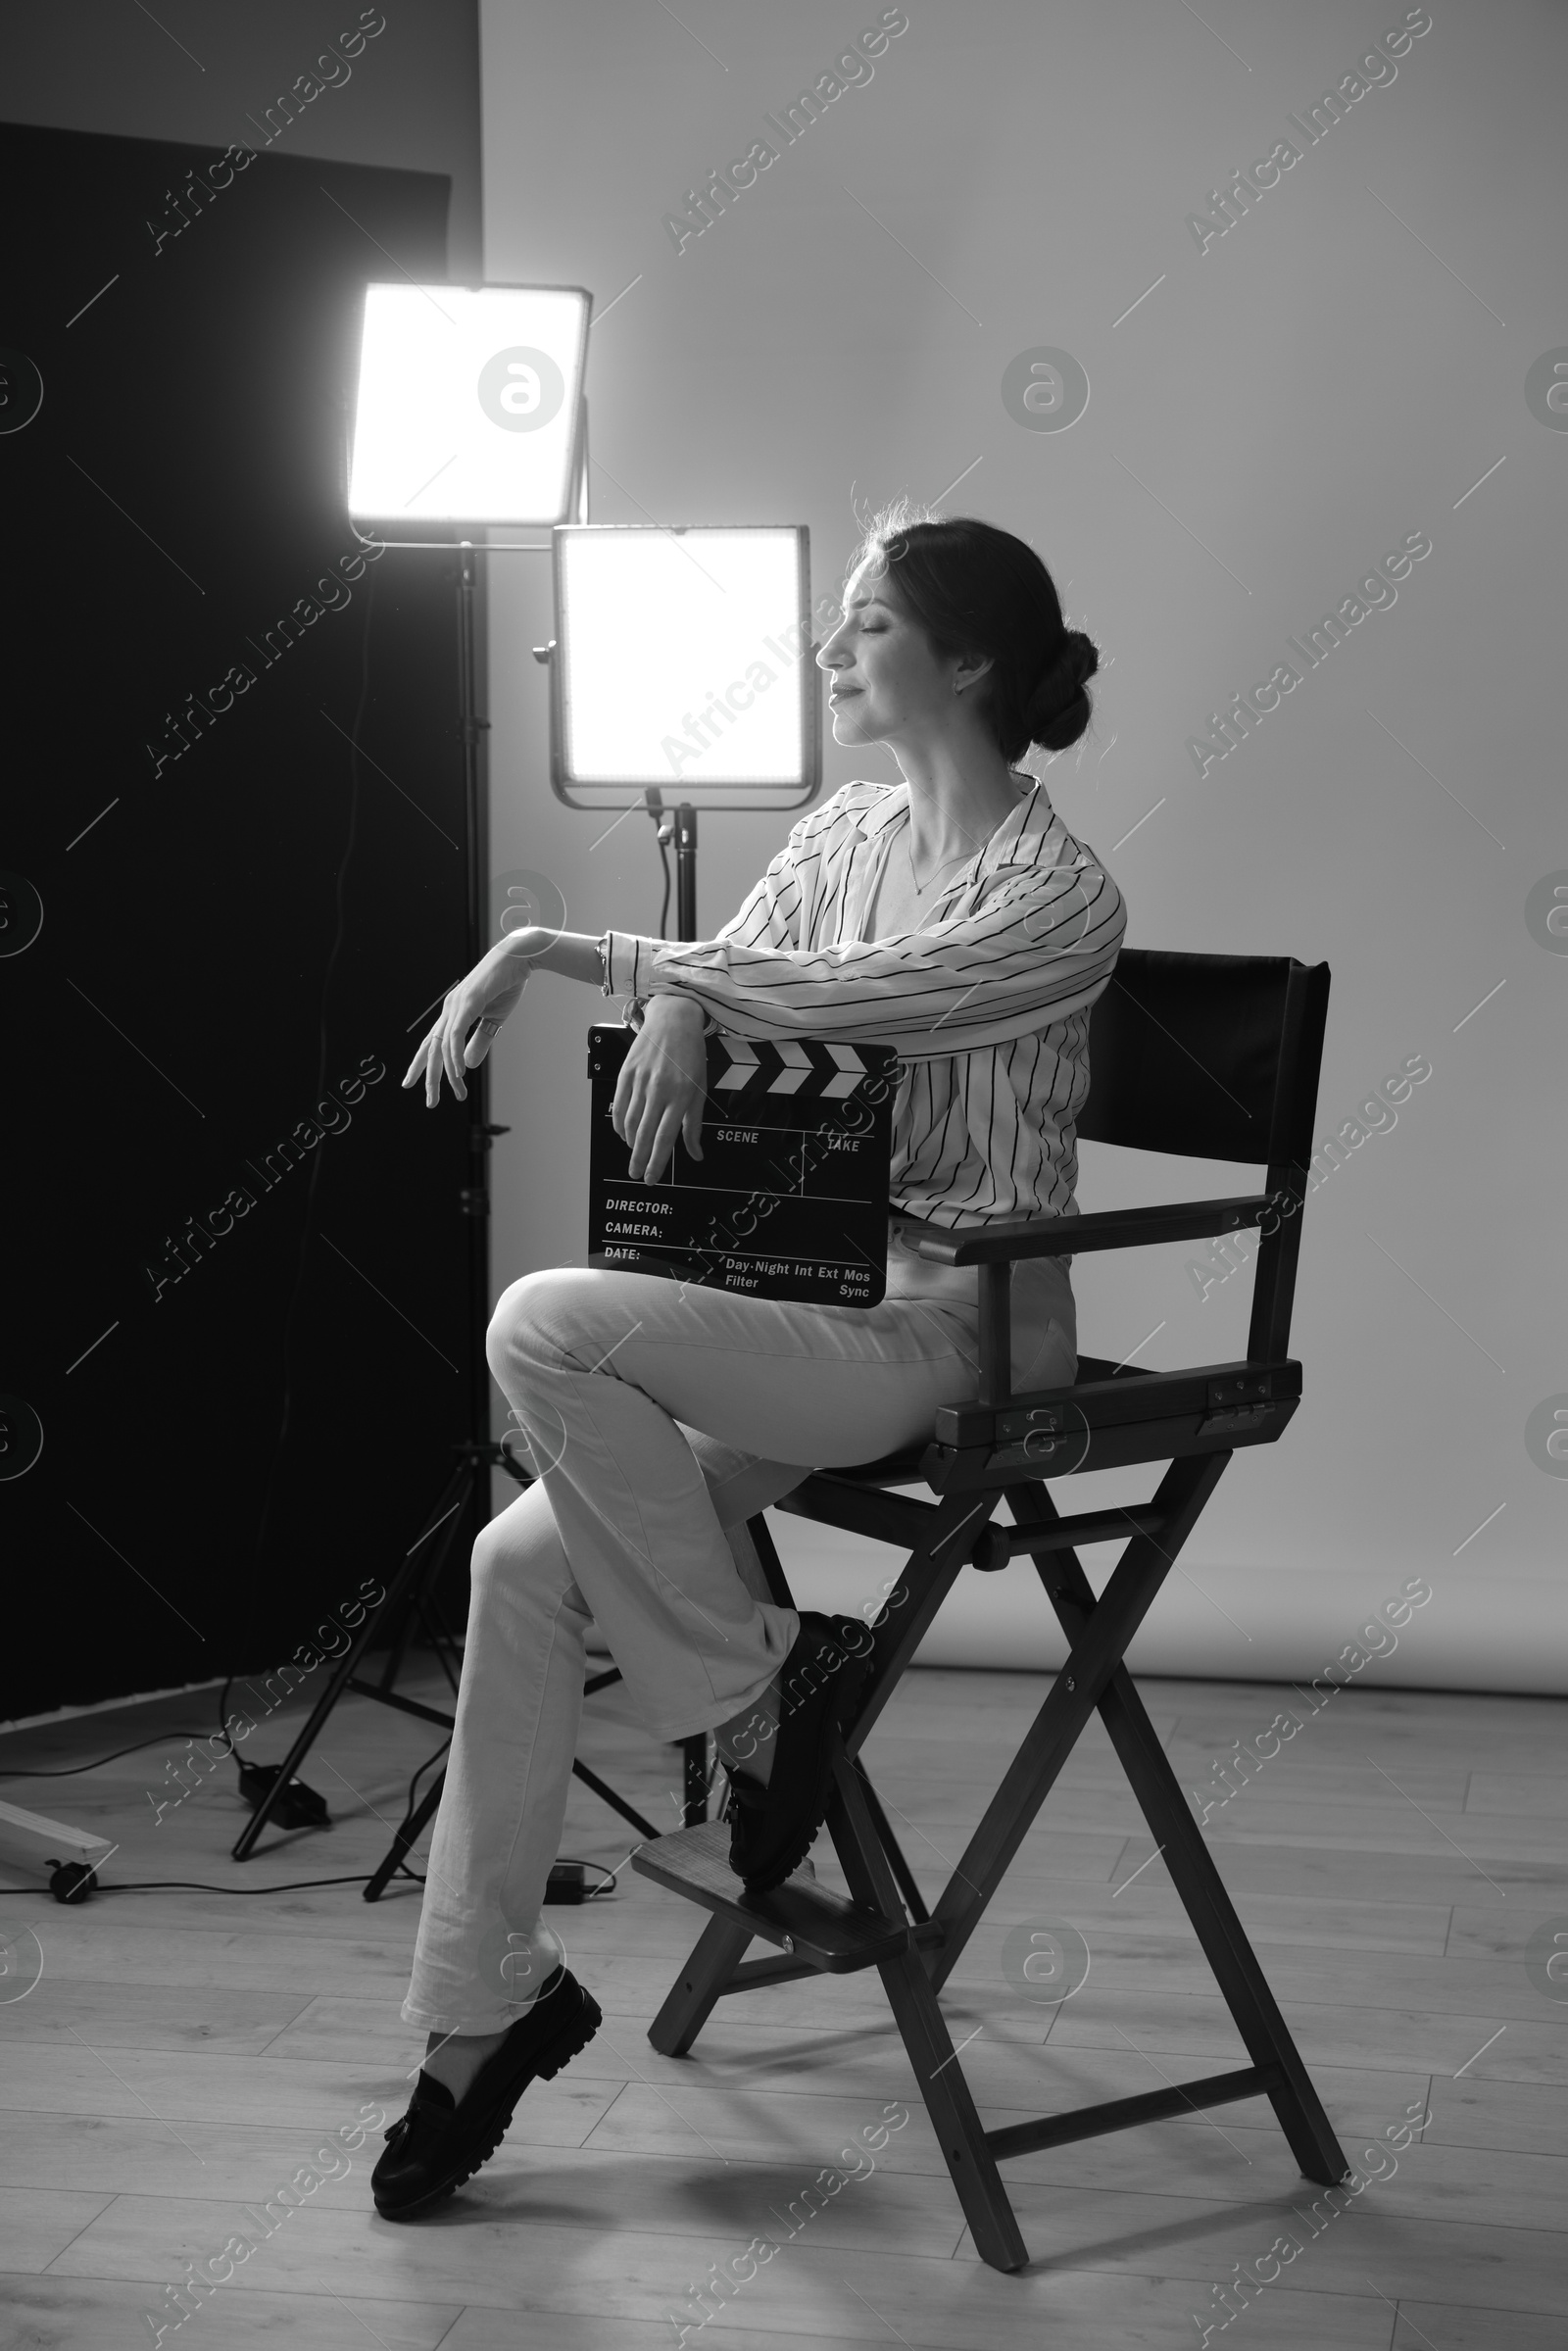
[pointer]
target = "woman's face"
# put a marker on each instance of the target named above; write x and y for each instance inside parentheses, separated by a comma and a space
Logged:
(886, 685)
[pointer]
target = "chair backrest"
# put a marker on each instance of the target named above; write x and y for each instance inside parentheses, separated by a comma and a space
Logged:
(1207, 1057)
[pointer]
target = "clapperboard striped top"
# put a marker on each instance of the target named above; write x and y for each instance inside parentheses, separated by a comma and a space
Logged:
(987, 1001)
(807, 1069)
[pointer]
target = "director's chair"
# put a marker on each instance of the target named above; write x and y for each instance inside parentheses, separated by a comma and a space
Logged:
(1207, 1057)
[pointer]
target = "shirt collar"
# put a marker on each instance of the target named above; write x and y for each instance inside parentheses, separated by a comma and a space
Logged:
(1016, 840)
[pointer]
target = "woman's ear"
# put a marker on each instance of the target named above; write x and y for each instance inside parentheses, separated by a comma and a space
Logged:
(970, 668)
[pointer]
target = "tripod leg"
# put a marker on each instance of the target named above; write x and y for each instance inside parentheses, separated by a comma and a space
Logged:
(438, 1637)
(245, 1843)
(462, 1479)
(602, 1788)
(406, 1576)
(406, 1837)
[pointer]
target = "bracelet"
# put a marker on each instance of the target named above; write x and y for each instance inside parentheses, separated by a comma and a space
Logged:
(637, 1008)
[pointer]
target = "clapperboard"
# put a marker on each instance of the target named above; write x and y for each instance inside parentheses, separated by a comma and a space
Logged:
(790, 1196)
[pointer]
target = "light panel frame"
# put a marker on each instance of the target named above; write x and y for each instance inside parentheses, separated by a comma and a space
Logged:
(690, 766)
(468, 406)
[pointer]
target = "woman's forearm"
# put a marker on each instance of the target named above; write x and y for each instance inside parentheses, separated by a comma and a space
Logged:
(575, 956)
(573, 953)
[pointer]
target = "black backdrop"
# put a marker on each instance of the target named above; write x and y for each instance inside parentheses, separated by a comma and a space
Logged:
(235, 1293)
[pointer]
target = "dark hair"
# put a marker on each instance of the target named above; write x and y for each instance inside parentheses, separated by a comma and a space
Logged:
(975, 589)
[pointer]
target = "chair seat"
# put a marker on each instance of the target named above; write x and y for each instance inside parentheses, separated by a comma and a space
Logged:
(900, 1468)
(903, 1466)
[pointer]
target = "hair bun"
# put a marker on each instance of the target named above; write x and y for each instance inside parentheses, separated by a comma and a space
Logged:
(1058, 705)
(1086, 655)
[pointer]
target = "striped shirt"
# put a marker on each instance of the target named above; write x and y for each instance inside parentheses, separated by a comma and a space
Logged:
(987, 1003)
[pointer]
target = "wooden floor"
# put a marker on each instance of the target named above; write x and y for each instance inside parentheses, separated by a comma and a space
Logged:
(182, 2053)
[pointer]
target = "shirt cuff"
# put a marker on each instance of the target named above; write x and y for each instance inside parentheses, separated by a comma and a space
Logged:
(626, 960)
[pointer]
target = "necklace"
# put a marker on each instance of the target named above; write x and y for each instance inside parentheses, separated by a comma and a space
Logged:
(921, 888)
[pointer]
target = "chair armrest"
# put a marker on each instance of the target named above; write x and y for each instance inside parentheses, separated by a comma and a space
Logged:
(1070, 1235)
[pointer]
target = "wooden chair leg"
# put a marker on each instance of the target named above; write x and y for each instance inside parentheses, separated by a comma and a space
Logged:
(960, 2135)
(695, 1991)
(1097, 1654)
(1192, 1869)
(1197, 1879)
(949, 2102)
(778, 1583)
(898, 1860)
(693, 1779)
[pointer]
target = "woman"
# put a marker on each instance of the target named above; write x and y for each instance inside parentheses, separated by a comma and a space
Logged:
(950, 915)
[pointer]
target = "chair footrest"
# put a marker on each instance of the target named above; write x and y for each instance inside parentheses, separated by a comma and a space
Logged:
(1124, 2113)
(829, 1932)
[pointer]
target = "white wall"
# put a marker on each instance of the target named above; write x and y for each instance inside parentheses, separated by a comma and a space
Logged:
(1337, 371)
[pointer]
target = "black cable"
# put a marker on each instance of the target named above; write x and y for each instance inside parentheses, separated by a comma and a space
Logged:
(594, 1894)
(195, 1885)
(270, 1490)
(153, 1885)
(72, 1769)
(663, 860)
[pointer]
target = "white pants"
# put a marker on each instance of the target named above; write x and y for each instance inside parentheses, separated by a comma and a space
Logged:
(660, 1418)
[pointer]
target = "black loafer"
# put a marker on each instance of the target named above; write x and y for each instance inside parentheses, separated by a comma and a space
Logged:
(771, 1828)
(440, 2141)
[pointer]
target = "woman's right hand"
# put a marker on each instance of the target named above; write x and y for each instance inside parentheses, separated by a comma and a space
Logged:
(469, 1021)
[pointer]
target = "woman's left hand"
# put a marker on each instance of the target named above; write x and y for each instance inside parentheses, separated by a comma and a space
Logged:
(662, 1086)
(470, 1019)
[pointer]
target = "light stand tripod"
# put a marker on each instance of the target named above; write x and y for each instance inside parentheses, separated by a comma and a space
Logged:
(411, 1594)
(466, 1497)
